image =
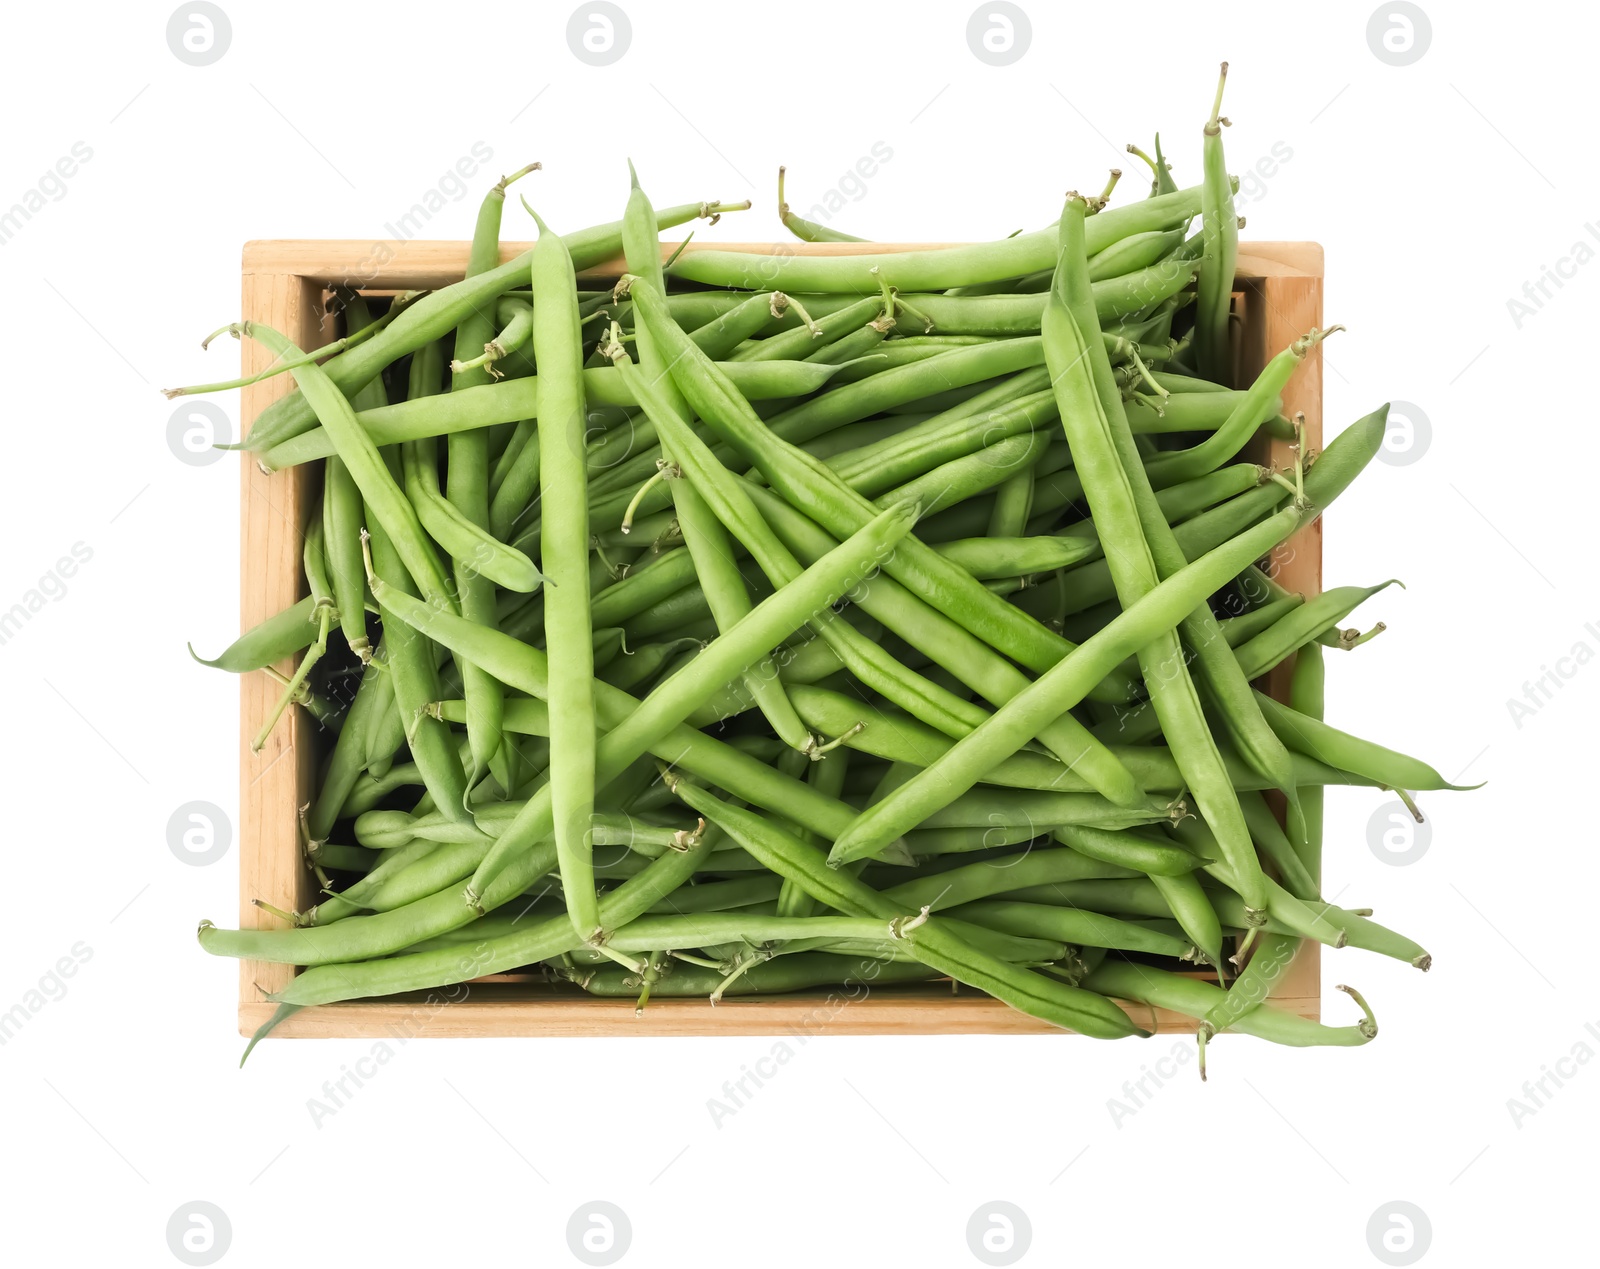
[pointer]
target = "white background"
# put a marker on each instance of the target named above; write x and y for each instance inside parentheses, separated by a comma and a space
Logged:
(1438, 188)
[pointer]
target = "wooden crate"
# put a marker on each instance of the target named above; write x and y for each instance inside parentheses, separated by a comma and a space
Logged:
(1278, 296)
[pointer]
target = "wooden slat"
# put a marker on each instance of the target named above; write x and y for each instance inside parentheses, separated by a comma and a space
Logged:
(274, 783)
(283, 283)
(431, 264)
(1279, 309)
(542, 1011)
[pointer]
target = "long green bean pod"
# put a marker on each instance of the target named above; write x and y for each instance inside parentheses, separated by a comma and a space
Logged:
(1214, 300)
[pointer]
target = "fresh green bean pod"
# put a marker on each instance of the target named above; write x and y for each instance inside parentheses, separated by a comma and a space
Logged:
(436, 315)
(1191, 996)
(934, 270)
(1214, 302)
(929, 942)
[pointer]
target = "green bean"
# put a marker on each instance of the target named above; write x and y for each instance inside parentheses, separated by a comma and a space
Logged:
(706, 538)
(1306, 690)
(607, 456)
(1176, 504)
(1340, 463)
(514, 400)
(864, 658)
(1218, 672)
(1009, 316)
(1045, 811)
(1127, 849)
(410, 659)
(1258, 404)
(959, 367)
(1275, 845)
(740, 774)
(516, 319)
(343, 858)
(718, 337)
(1191, 906)
(642, 664)
(1214, 302)
(275, 639)
(1269, 962)
(725, 658)
(1351, 753)
(558, 347)
(342, 510)
(941, 583)
(374, 695)
(930, 942)
(470, 546)
(385, 830)
(866, 353)
(926, 270)
(807, 230)
(1001, 556)
(1013, 503)
(384, 498)
(538, 941)
(1070, 926)
(1191, 996)
(1058, 690)
(1128, 255)
(954, 482)
(1239, 630)
(701, 929)
(468, 488)
(802, 341)
(1020, 404)
(719, 896)
(858, 974)
(435, 315)
(1301, 626)
(969, 882)
(322, 593)
(666, 574)
(1200, 411)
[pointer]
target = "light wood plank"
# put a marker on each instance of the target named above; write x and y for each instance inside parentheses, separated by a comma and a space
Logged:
(274, 783)
(545, 1012)
(432, 264)
(1281, 308)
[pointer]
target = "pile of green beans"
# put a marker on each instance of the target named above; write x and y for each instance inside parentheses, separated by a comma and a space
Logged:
(749, 623)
